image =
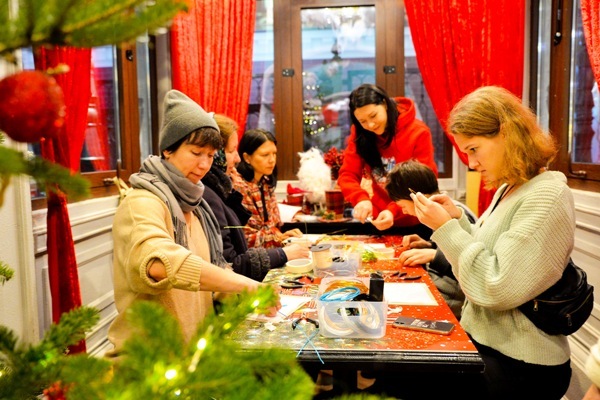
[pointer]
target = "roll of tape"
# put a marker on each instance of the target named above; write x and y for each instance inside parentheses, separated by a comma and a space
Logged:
(299, 266)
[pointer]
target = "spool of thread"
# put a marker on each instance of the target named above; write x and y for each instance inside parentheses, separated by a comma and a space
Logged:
(321, 254)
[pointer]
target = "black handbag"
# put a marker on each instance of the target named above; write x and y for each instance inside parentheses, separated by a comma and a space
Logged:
(564, 307)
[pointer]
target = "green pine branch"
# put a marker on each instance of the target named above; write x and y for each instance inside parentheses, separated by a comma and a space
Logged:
(156, 363)
(57, 178)
(6, 273)
(211, 366)
(81, 23)
(26, 370)
(47, 174)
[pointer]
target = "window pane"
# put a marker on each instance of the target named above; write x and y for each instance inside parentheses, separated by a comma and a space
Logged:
(338, 54)
(415, 89)
(585, 101)
(100, 148)
(260, 110)
(99, 151)
(27, 63)
(544, 46)
(143, 86)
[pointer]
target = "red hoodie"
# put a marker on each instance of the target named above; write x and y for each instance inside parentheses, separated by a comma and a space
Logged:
(411, 141)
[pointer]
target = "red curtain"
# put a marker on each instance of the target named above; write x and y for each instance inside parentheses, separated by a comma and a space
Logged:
(590, 17)
(474, 43)
(211, 50)
(65, 149)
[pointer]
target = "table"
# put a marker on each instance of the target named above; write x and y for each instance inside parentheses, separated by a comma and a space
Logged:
(398, 350)
(355, 227)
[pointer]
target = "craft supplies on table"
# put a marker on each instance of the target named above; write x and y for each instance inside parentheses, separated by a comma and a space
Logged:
(341, 314)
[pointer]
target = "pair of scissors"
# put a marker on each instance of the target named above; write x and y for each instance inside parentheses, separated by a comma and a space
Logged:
(297, 282)
(402, 276)
(399, 275)
(390, 274)
(303, 317)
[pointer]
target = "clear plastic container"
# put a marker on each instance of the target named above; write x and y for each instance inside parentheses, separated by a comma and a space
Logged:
(337, 258)
(350, 319)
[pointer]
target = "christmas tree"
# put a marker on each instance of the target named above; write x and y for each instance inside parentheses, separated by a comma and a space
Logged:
(157, 364)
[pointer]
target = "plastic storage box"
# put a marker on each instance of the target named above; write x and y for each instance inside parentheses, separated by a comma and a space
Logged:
(337, 258)
(350, 319)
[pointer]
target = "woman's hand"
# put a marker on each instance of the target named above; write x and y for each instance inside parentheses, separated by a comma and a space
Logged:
(414, 257)
(291, 233)
(384, 220)
(415, 242)
(430, 212)
(363, 210)
(272, 311)
(445, 201)
(294, 251)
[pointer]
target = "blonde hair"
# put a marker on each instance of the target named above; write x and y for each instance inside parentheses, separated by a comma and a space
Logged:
(227, 126)
(490, 111)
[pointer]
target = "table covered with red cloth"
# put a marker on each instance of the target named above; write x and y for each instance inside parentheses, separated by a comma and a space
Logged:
(399, 350)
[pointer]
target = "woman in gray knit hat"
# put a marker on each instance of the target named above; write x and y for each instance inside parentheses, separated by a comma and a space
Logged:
(167, 243)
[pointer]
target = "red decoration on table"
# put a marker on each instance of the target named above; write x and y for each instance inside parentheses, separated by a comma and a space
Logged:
(334, 158)
(33, 106)
(295, 196)
(294, 190)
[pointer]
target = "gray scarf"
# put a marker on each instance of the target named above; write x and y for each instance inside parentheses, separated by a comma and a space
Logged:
(180, 195)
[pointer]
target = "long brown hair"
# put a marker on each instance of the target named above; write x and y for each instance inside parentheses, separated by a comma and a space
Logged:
(490, 111)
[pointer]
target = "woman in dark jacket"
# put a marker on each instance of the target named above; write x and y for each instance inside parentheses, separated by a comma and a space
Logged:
(226, 204)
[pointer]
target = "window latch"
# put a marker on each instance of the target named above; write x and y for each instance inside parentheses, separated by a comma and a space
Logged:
(577, 174)
(558, 22)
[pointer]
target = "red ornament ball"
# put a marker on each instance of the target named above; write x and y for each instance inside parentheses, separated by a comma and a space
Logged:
(32, 106)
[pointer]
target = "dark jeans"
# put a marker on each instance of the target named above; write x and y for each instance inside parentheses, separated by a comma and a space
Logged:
(504, 378)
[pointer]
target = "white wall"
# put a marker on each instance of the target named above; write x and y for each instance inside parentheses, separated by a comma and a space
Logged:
(587, 255)
(91, 223)
(18, 302)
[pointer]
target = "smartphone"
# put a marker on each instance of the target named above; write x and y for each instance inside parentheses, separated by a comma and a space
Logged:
(425, 325)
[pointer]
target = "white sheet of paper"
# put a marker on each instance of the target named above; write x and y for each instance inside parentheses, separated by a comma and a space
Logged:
(414, 293)
(375, 246)
(313, 237)
(287, 212)
(289, 304)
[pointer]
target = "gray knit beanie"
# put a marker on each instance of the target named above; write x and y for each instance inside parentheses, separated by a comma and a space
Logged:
(182, 117)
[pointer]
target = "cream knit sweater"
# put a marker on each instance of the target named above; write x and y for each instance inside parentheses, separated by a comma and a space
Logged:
(507, 258)
(143, 231)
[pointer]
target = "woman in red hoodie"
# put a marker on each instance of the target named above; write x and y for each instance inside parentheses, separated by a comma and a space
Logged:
(384, 132)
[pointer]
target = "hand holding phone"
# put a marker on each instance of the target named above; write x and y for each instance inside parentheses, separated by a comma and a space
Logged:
(424, 325)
